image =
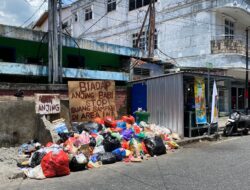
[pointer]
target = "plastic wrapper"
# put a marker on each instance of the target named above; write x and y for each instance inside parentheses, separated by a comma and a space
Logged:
(99, 150)
(78, 163)
(107, 158)
(110, 143)
(87, 127)
(36, 158)
(127, 134)
(155, 146)
(35, 173)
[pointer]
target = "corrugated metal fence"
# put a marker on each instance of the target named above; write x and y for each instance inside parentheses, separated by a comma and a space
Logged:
(165, 102)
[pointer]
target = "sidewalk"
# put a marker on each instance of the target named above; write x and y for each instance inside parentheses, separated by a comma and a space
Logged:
(187, 140)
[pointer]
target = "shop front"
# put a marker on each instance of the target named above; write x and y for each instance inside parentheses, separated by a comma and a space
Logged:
(193, 126)
(180, 103)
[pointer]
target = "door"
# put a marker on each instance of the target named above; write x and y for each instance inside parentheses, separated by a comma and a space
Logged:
(139, 97)
(237, 101)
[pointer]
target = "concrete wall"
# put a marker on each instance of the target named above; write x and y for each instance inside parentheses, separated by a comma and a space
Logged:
(18, 121)
(185, 27)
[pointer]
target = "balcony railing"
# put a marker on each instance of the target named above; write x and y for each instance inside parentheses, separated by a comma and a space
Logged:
(228, 44)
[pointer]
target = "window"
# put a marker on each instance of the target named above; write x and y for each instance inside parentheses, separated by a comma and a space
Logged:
(76, 61)
(88, 13)
(67, 26)
(111, 5)
(7, 54)
(229, 29)
(75, 17)
(142, 72)
(34, 60)
(143, 42)
(135, 4)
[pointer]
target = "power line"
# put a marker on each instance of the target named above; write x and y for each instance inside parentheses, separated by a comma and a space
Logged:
(174, 59)
(27, 20)
(194, 21)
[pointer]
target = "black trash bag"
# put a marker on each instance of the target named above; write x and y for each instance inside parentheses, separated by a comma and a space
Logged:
(74, 166)
(88, 127)
(107, 158)
(155, 146)
(64, 136)
(110, 143)
(36, 158)
(92, 142)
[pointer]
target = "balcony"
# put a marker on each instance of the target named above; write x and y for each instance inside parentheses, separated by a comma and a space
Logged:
(228, 44)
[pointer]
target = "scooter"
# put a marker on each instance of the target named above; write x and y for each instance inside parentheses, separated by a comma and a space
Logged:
(238, 122)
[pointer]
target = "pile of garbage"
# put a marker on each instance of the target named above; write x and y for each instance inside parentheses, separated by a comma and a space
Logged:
(93, 144)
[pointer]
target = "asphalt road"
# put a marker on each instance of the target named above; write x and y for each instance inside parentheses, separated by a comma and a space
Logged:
(206, 165)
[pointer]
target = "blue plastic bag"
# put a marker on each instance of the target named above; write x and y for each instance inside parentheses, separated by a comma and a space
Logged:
(119, 153)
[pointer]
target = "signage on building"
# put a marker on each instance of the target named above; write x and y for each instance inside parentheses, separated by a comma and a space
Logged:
(91, 99)
(200, 100)
(47, 103)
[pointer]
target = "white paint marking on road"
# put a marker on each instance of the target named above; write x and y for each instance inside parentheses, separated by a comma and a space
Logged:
(222, 141)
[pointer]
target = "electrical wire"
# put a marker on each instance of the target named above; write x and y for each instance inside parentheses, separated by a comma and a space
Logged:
(174, 59)
(27, 20)
(194, 21)
(98, 20)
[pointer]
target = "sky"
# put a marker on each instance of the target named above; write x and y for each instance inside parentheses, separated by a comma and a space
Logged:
(22, 12)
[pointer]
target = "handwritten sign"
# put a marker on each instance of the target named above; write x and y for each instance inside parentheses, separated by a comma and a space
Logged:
(91, 99)
(47, 103)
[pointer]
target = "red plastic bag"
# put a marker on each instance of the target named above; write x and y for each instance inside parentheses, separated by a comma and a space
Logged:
(128, 119)
(125, 144)
(55, 164)
(137, 129)
(144, 148)
(110, 122)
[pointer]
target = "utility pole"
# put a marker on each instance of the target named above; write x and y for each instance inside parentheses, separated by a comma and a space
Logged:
(50, 25)
(246, 84)
(60, 42)
(53, 42)
(151, 37)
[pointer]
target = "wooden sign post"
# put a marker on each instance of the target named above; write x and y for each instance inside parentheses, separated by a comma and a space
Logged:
(47, 104)
(91, 99)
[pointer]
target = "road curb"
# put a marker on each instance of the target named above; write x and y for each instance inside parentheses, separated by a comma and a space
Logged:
(197, 139)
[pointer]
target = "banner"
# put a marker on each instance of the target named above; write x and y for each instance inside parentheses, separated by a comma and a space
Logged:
(47, 103)
(91, 99)
(215, 111)
(200, 101)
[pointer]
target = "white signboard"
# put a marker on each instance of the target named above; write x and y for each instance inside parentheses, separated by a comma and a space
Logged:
(47, 103)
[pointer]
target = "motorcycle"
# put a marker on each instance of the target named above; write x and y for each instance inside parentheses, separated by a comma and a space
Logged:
(238, 122)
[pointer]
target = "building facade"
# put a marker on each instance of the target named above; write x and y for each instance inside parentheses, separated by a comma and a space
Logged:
(191, 34)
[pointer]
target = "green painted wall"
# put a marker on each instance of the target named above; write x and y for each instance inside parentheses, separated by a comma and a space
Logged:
(93, 60)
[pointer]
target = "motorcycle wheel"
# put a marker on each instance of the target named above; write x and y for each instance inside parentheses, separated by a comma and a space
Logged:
(228, 130)
(245, 132)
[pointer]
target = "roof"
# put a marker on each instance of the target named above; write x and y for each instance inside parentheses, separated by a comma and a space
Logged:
(38, 36)
(41, 19)
(186, 74)
(44, 17)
